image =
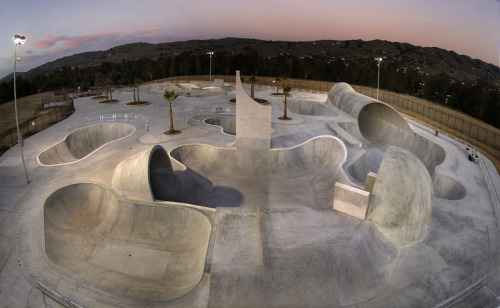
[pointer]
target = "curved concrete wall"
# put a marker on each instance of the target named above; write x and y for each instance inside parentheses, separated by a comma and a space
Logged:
(401, 201)
(83, 142)
(153, 252)
(381, 125)
(325, 153)
(309, 108)
(447, 188)
(228, 124)
(149, 176)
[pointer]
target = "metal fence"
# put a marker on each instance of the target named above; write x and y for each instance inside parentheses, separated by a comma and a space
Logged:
(9, 138)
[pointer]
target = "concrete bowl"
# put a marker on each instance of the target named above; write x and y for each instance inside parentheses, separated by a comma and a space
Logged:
(83, 142)
(149, 251)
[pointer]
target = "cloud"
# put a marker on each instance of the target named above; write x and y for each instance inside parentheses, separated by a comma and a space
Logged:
(150, 29)
(49, 41)
(80, 43)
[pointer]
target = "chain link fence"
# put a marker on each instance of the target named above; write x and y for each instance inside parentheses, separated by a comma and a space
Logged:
(28, 128)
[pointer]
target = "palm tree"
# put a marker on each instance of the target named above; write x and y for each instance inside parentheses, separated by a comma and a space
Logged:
(252, 80)
(137, 84)
(283, 79)
(286, 90)
(170, 96)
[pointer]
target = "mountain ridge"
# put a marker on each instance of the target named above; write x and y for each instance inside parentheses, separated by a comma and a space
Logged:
(427, 60)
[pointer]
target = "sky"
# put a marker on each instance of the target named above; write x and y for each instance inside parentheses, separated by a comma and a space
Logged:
(59, 28)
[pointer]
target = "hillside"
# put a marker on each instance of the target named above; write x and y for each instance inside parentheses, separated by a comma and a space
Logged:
(427, 60)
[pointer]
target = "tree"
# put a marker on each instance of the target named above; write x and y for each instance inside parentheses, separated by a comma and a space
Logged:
(137, 84)
(252, 80)
(170, 96)
(286, 90)
(283, 79)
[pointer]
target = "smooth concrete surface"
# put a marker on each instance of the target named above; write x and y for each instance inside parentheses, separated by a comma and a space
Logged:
(81, 143)
(106, 241)
(401, 199)
(273, 238)
(380, 126)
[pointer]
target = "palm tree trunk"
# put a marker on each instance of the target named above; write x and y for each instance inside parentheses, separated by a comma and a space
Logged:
(134, 96)
(110, 94)
(138, 99)
(252, 91)
(171, 119)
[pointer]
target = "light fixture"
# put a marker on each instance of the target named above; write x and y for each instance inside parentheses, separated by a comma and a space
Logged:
(19, 40)
(378, 79)
(210, 53)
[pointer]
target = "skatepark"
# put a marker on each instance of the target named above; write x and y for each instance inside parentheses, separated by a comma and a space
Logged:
(348, 204)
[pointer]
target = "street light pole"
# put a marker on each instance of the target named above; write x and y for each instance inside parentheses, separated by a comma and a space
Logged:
(19, 40)
(210, 53)
(378, 79)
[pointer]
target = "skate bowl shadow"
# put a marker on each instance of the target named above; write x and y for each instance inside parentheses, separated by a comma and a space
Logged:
(150, 175)
(83, 142)
(150, 251)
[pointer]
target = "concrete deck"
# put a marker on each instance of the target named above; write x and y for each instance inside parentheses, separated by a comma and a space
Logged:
(142, 219)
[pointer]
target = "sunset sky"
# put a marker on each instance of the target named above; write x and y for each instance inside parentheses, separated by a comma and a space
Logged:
(58, 28)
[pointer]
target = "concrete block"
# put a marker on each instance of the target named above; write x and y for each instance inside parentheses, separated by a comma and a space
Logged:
(350, 200)
(370, 181)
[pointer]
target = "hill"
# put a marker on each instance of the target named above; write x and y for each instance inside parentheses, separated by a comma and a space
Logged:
(426, 60)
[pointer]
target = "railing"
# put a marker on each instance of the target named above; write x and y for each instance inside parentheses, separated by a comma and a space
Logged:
(57, 297)
(136, 118)
(28, 128)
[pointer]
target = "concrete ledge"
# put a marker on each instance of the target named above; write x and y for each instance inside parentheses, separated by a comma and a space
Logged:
(350, 200)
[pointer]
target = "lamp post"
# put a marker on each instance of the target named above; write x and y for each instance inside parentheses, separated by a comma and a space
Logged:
(210, 53)
(19, 40)
(378, 79)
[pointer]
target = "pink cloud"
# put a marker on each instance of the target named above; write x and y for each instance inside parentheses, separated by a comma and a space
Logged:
(49, 41)
(79, 43)
(150, 29)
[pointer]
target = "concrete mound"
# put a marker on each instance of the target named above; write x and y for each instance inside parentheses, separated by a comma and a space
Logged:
(81, 143)
(401, 201)
(381, 126)
(152, 252)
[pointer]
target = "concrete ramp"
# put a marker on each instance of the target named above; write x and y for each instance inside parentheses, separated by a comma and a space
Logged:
(83, 142)
(402, 198)
(380, 126)
(142, 250)
(325, 153)
(149, 176)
